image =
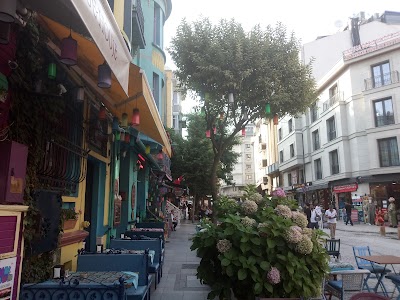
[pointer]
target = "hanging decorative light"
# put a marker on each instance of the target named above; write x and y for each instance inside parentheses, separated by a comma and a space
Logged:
(80, 94)
(160, 155)
(221, 115)
(118, 135)
(115, 124)
(231, 100)
(8, 9)
(104, 76)
(136, 117)
(268, 108)
(102, 113)
(122, 135)
(215, 130)
(52, 71)
(127, 138)
(276, 119)
(124, 120)
(69, 51)
(243, 131)
(147, 149)
(208, 133)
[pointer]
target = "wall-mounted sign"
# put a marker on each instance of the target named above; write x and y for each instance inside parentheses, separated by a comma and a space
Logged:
(345, 188)
(7, 275)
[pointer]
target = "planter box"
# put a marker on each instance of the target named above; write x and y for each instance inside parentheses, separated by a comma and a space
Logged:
(69, 224)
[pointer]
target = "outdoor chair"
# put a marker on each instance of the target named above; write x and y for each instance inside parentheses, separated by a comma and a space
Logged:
(396, 281)
(350, 280)
(367, 296)
(332, 246)
(375, 269)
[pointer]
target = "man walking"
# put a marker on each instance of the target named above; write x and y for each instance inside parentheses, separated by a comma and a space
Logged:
(315, 217)
(331, 215)
(348, 213)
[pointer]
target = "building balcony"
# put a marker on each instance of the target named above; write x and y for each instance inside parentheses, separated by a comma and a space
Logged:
(379, 81)
(138, 24)
(273, 169)
(332, 101)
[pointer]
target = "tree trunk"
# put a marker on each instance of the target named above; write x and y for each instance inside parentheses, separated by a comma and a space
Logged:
(214, 186)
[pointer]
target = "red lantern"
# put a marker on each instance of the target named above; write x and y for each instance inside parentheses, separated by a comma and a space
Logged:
(215, 130)
(136, 117)
(276, 119)
(243, 131)
(127, 138)
(102, 113)
(208, 133)
(69, 51)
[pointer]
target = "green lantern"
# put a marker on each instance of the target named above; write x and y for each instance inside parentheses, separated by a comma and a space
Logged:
(267, 108)
(52, 71)
(118, 135)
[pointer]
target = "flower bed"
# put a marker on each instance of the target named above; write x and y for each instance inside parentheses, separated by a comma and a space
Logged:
(262, 250)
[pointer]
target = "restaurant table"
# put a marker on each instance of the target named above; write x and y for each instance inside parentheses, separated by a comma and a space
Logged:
(382, 260)
(151, 253)
(147, 229)
(91, 281)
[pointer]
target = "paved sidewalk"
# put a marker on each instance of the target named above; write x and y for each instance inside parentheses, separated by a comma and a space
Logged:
(367, 228)
(179, 279)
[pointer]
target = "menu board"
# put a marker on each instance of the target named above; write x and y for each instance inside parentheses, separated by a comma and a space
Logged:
(354, 215)
(7, 276)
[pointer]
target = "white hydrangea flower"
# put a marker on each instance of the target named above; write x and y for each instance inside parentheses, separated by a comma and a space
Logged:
(249, 207)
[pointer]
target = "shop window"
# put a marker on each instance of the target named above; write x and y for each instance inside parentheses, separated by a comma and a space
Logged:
(281, 156)
(291, 150)
(334, 161)
(315, 138)
(381, 74)
(383, 112)
(331, 129)
(388, 152)
(318, 169)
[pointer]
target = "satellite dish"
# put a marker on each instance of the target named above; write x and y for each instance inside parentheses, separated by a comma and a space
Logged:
(338, 24)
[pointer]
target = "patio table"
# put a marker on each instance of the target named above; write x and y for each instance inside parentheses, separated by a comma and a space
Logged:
(147, 229)
(151, 253)
(382, 260)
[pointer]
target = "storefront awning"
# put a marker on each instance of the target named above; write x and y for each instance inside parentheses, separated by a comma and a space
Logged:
(117, 101)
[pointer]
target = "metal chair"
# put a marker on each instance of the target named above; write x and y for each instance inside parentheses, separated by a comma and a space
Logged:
(396, 281)
(332, 246)
(376, 270)
(350, 280)
(367, 296)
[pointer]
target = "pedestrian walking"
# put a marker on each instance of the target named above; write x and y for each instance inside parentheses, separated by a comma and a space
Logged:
(348, 207)
(307, 211)
(315, 217)
(331, 214)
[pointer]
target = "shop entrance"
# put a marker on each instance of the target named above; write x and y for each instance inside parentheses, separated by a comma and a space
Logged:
(88, 201)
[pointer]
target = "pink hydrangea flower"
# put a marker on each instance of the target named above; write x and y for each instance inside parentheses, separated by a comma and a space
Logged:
(279, 193)
(274, 276)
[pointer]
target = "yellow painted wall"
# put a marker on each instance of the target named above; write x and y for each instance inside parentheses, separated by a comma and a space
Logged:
(119, 12)
(157, 60)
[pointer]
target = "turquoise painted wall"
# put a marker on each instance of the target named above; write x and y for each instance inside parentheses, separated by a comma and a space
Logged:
(142, 191)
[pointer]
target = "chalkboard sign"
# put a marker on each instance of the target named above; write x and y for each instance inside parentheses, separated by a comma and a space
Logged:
(354, 215)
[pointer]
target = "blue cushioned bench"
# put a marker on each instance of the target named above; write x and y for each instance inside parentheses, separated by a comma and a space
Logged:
(150, 225)
(145, 235)
(121, 262)
(155, 245)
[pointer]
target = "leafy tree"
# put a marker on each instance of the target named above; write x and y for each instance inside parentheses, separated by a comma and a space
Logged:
(256, 69)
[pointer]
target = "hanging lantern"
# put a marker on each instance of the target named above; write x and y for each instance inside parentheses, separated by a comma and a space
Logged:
(115, 124)
(215, 130)
(208, 133)
(52, 71)
(8, 9)
(243, 131)
(267, 108)
(5, 29)
(80, 94)
(127, 138)
(118, 136)
(276, 119)
(221, 116)
(69, 51)
(147, 149)
(136, 117)
(160, 155)
(124, 120)
(122, 138)
(231, 100)
(102, 113)
(104, 76)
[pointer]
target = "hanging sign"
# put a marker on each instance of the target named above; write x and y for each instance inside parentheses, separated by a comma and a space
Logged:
(345, 188)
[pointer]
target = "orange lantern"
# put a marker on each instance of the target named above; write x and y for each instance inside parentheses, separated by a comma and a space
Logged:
(276, 119)
(102, 113)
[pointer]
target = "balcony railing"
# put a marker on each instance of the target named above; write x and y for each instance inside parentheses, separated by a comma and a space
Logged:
(379, 81)
(273, 168)
(332, 100)
(138, 24)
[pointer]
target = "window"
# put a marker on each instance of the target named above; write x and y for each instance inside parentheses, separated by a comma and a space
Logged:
(248, 156)
(388, 152)
(281, 156)
(175, 121)
(314, 113)
(289, 177)
(381, 74)
(156, 90)
(383, 112)
(330, 125)
(333, 91)
(249, 177)
(265, 163)
(175, 98)
(318, 169)
(279, 134)
(157, 25)
(291, 150)
(334, 161)
(248, 146)
(290, 125)
(315, 139)
(248, 167)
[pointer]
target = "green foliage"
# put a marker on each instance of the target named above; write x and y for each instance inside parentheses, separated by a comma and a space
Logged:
(69, 214)
(239, 255)
(224, 206)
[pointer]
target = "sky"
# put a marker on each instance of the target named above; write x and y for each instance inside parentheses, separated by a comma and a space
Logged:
(308, 19)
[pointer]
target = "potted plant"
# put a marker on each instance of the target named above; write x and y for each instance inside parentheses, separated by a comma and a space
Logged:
(69, 218)
(260, 248)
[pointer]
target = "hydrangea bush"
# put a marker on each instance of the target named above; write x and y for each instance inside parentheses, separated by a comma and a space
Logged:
(261, 249)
